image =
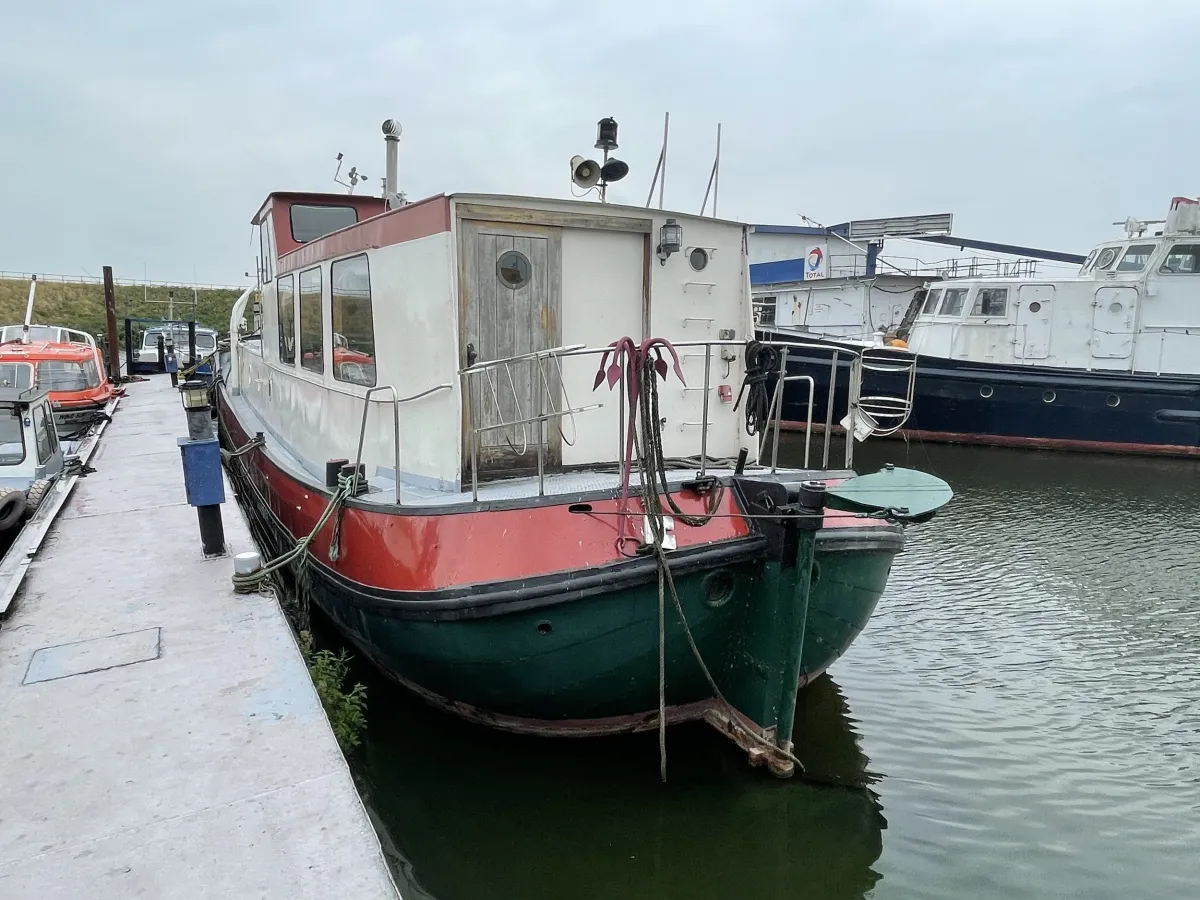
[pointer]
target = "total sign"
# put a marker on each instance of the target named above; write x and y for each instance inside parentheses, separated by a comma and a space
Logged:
(815, 264)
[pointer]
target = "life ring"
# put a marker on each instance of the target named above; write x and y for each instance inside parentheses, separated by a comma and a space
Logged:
(12, 508)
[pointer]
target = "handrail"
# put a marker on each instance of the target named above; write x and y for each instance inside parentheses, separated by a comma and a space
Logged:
(892, 410)
(362, 431)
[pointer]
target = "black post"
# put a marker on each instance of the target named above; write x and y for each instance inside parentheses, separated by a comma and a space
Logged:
(162, 354)
(128, 347)
(212, 530)
(110, 315)
(192, 342)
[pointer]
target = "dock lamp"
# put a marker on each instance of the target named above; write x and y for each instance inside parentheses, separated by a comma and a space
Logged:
(202, 476)
(670, 240)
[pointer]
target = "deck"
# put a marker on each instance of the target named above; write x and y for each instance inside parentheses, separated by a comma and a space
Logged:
(161, 735)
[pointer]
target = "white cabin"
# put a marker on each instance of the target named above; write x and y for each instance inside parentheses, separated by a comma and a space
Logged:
(356, 297)
(1133, 306)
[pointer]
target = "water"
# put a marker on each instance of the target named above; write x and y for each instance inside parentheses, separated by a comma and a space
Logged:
(1021, 719)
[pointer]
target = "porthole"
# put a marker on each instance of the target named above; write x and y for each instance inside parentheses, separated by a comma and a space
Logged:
(986, 391)
(1049, 397)
(513, 269)
(1113, 401)
(544, 627)
(718, 588)
(1107, 255)
(1115, 307)
(1035, 307)
(698, 258)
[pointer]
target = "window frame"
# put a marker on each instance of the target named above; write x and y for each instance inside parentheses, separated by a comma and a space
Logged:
(962, 293)
(977, 304)
(306, 206)
(773, 306)
(41, 412)
(291, 282)
(333, 332)
(933, 296)
(1195, 245)
(1129, 249)
(21, 431)
(317, 363)
(1105, 267)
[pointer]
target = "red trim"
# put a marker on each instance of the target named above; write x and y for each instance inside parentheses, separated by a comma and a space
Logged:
(1027, 443)
(416, 220)
(394, 551)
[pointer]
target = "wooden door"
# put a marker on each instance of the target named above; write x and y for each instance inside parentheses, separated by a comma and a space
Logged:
(511, 300)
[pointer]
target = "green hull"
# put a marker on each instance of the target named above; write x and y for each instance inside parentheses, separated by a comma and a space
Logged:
(591, 666)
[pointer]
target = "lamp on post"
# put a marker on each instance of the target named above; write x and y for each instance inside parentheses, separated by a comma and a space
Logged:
(202, 467)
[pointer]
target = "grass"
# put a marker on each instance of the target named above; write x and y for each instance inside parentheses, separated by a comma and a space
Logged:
(81, 306)
(347, 710)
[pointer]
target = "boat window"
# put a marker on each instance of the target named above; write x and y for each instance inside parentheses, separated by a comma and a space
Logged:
(92, 373)
(1135, 258)
(931, 301)
(312, 349)
(1107, 256)
(764, 311)
(990, 302)
(353, 323)
(1184, 259)
(206, 342)
(1087, 262)
(287, 319)
(12, 438)
(265, 267)
(61, 375)
(36, 333)
(16, 375)
(952, 302)
(312, 222)
(43, 433)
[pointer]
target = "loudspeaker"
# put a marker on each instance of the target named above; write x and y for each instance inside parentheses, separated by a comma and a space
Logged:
(584, 172)
(613, 170)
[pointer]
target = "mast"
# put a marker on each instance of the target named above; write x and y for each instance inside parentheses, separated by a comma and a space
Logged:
(29, 310)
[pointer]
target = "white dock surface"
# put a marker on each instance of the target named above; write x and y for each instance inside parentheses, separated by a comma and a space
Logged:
(175, 746)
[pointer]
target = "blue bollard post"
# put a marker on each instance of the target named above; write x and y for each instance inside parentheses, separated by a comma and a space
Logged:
(202, 478)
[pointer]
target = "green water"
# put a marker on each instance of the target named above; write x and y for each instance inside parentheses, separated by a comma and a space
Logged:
(1020, 719)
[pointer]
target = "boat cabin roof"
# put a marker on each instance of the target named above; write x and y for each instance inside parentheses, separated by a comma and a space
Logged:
(41, 350)
(327, 224)
(21, 398)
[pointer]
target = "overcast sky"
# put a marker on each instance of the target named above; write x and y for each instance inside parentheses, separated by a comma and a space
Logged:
(145, 134)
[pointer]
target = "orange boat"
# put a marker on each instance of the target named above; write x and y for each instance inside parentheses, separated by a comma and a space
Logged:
(63, 361)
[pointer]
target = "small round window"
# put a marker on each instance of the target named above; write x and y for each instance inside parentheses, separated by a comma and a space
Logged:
(1107, 255)
(698, 258)
(513, 269)
(1035, 307)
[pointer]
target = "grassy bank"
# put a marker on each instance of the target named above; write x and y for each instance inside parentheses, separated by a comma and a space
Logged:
(82, 305)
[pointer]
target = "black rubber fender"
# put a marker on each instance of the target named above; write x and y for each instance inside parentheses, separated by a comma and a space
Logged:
(12, 508)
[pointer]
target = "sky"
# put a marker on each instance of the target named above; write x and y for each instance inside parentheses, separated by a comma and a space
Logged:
(144, 135)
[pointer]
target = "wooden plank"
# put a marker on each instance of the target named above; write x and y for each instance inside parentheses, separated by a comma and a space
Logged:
(553, 218)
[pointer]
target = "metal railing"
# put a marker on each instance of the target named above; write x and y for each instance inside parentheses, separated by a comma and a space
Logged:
(885, 413)
(362, 431)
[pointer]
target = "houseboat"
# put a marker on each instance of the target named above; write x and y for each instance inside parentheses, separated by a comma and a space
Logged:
(1105, 360)
(515, 431)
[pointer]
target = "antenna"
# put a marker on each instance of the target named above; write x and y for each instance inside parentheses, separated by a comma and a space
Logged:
(714, 178)
(661, 168)
(353, 176)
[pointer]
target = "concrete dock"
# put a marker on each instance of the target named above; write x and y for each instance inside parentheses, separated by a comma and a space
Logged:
(159, 734)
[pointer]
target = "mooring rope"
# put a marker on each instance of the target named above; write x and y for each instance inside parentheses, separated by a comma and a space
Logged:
(644, 439)
(299, 552)
(244, 449)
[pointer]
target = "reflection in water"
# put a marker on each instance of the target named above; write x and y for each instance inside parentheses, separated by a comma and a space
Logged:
(471, 814)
